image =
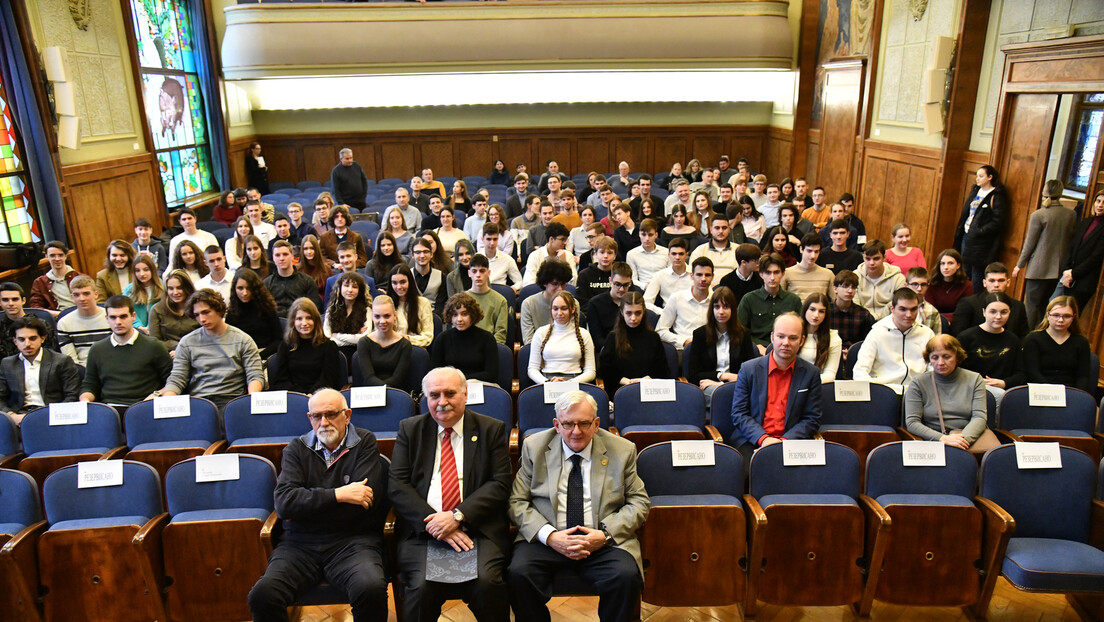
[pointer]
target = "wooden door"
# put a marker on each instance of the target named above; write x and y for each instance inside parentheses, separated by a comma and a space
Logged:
(843, 85)
(1021, 159)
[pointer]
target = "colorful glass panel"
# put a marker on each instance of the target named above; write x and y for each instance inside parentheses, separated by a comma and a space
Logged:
(16, 208)
(173, 97)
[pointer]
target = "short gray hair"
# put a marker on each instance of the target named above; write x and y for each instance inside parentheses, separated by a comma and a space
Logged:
(343, 152)
(325, 392)
(571, 399)
(425, 378)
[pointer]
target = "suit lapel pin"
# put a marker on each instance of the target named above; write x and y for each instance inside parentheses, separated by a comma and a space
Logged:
(475, 438)
(605, 462)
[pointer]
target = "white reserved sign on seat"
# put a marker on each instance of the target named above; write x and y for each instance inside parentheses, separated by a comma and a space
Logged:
(553, 390)
(852, 390)
(693, 453)
(803, 452)
(69, 413)
(1052, 395)
(170, 406)
(367, 397)
(99, 473)
(923, 453)
(657, 390)
(268, 402)
(475, 392)
(1038, 455)
(216, 468)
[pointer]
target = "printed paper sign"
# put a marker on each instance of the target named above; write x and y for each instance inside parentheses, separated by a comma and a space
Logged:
(923, 453)
(553, 390)
(852, 390)
(99, 473)
(803, 453)
(367, 397)
(1038, 456)
(268, 402)
(216, 468)
(170, 406)
(1052, 395)
(657, 390)
(692, 453)
(475, 392)
(69, 413)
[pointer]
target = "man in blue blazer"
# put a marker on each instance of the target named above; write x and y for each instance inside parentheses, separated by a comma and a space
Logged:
(777, 396)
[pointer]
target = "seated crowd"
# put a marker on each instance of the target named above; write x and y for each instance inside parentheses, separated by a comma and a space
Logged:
(753, 283)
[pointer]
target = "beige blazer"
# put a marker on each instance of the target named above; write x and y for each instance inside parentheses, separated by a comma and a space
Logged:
(618, 498)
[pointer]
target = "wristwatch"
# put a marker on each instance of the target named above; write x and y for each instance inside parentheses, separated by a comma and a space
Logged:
(609, 536)
(458, 515)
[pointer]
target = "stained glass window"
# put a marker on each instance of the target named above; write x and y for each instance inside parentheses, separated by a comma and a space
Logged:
(16, 213)
(1089, 118)
(172, 96)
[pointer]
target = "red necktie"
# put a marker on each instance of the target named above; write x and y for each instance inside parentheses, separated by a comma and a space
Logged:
(450, 482)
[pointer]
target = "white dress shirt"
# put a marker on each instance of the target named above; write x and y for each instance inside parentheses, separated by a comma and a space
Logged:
(682, 315)
(665, 284)
(32, 391)
(433, 498)
(646, 264)
(222, 286)
(504, 267)
(561, 492)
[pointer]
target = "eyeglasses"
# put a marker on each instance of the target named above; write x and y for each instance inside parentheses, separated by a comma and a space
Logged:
(329, 416)
(620, 285)
(1060, 316)
(570, 426)
(917, 285)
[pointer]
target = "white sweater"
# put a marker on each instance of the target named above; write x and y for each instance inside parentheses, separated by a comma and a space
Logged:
(561, 354)
(835, 349)
(890, 357)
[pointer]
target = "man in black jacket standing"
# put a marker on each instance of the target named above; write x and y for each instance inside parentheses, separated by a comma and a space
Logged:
(350, 184)
(331, 498)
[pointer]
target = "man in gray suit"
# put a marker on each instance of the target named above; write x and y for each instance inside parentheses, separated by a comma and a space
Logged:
(53, 376)
(577, 502)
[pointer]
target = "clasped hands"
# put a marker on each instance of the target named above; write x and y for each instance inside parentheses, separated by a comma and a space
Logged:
(576, 543)
(444, 527)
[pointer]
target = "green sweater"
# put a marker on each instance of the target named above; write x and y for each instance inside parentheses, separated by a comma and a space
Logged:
(126, 374)
(496, 312)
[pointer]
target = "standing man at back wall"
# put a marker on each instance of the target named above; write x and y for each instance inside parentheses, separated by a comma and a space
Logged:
(350, 185)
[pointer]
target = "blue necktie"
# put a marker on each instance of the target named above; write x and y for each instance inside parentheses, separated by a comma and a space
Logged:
(575, 493)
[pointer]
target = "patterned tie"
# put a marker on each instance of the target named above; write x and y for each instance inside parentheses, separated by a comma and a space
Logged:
(575, 493)
(450, 482)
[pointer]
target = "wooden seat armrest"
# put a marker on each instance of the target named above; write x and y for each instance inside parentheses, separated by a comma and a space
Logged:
(151, 557)
(879, 531)
(906, 435)
(10, 462)
(998, 528)
(114, 453)
(270, 531)
(613, 430)
(1096, 527)
(757, 530)
(1007, 437)
(714, 434)
(217, 447)
(515, 441)
(21, 554)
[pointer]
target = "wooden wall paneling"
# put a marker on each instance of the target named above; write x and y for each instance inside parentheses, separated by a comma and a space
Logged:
(812, 158)
(436, 155)
(709, 148)
(397, 160)
(476, 157)
(666, 150)
(93, 232)
(319, 160)
(363, 152)
(779, 148)
(747, 145)
(514, 150)
(635, 151)
(897, 185)
(1022, 161)
(282, 162)
(550, 148)
(593, 154)
(236, 150)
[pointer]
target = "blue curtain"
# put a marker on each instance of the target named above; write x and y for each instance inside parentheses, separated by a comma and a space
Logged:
(208, 80)
(37, 159)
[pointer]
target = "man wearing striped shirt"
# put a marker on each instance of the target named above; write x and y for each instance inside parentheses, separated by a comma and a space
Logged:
(79, 329)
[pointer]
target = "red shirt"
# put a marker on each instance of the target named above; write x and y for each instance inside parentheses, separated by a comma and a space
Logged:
(778, 395)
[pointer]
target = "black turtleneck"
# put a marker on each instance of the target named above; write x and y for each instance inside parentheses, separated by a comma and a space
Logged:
(646, 358)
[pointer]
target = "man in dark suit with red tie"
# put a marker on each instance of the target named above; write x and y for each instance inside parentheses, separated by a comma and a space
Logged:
(450, 479)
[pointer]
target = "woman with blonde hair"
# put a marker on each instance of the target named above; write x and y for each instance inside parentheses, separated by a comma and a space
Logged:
(306, 360)
(901, 254)
(145, 290)
(384, 355)
(947, 404)
(235, 246)
(1056, 352)
(561, 351)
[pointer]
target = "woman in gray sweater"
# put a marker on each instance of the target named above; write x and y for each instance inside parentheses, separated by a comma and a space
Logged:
(947, 404)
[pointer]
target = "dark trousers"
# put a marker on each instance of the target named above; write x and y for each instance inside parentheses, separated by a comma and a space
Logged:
(353, 565)
(486, 596)
(1036, 296)
(612, 571)
(976, 274)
